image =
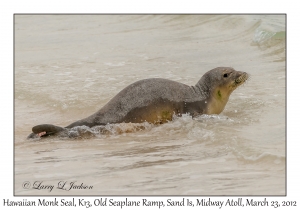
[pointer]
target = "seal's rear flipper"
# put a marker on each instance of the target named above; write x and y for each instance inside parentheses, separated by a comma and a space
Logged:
(48, 128)
(32, 136)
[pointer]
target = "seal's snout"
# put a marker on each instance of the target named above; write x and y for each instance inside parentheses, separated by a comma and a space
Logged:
(242, 78)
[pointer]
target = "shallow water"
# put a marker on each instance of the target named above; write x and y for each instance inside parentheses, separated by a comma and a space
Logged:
(69, 66)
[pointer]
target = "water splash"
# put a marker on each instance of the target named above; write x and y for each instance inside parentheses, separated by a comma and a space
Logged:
(268, 38)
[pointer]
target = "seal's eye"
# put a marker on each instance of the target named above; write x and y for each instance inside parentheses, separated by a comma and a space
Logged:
(225, 75)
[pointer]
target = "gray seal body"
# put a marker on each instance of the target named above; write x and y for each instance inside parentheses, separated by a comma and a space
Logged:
(156, 100)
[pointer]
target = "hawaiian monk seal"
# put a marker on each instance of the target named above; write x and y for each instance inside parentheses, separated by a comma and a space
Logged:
(157, 100)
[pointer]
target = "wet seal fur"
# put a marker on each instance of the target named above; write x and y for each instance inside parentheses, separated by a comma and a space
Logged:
(157, 100)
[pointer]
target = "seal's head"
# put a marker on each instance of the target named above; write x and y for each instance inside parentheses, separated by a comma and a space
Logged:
(218, 84)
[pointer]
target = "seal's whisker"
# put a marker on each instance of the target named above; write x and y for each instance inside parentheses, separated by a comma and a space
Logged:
(249, 78)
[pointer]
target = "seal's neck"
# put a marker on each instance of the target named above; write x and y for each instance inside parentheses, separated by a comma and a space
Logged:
(216, 98)
(217, 101)
(203, 88)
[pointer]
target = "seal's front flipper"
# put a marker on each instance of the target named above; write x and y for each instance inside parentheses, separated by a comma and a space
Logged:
(46, 129)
